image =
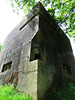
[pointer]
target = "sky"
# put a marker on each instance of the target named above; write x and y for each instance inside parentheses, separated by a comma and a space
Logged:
(9, 20)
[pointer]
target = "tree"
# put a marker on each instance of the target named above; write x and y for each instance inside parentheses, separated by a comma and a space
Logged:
(0, 47)
(63, 11)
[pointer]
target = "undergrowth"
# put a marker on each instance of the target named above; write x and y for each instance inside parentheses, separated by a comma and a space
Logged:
(7, 92)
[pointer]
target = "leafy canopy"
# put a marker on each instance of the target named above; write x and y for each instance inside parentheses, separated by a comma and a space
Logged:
(63, 11)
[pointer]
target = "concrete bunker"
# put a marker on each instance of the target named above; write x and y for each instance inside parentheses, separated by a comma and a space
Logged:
(40, 53)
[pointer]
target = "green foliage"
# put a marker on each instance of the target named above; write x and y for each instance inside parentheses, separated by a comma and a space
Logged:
(0, 47)
(8, 92)
(65, 94)
(62, 10)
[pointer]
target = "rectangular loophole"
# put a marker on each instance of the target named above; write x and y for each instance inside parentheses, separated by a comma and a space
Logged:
(66, 68)
(37, 56)
(6, 66)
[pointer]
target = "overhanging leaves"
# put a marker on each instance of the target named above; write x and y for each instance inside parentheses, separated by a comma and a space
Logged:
(62, 10)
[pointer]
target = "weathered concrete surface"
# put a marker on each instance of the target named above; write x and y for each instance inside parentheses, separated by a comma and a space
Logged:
(40, 54)
(28, 79)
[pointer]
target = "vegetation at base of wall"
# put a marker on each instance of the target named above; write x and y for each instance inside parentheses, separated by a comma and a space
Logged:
(67, 93)
(7, 92)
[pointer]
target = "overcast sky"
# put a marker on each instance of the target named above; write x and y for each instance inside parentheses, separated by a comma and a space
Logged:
(9, 19)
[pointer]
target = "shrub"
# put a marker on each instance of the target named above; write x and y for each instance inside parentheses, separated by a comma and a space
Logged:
(7, 92)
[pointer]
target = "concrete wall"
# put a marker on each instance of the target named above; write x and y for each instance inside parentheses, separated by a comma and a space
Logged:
(27, 81)
(16, 48)
(40, 35)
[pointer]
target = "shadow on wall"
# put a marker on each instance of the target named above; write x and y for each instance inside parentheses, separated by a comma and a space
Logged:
(59, 82)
